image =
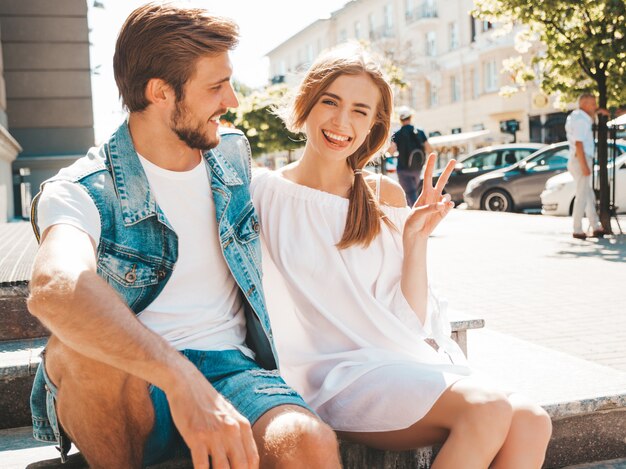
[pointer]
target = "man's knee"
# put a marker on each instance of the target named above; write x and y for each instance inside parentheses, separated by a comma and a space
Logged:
(300, 436)
(94, 395)
(315, 438)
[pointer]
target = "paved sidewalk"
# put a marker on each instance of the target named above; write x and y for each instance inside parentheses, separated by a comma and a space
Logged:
(527, 277)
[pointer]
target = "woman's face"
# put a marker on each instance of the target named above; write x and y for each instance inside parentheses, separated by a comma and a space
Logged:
(341, 119)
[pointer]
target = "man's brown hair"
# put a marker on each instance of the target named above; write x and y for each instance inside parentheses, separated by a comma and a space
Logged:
(162, 40)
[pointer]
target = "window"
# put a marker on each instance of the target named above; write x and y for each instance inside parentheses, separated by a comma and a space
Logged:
(371, 25)
(433, 98)
(491, 76)
(319, 46)
(309, 53)
(509, 157)
(486, 26)
(482, 161)
(431, 44)
(282, 68)
(454, 35)
(472, 29)
(475, 83)
(388, 15)
(455, 89)
(357, 29)
(343, 35)
(553, 160)
(408, 9)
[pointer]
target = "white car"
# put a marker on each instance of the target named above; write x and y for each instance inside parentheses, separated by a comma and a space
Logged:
(558, 196)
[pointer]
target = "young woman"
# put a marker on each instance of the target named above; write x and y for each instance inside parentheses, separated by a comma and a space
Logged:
(358, 333)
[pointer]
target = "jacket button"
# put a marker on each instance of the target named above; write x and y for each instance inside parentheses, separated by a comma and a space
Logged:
(255, 227)
(161, 274)
(130, 276)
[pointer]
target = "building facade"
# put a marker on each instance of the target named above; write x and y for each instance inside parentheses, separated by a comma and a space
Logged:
(451, 61)
(46, 114)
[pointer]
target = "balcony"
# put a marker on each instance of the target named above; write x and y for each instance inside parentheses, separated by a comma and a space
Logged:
(384, 32)
(427, 10)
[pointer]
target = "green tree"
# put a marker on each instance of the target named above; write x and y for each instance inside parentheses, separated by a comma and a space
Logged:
(569, 46)
(264, 129)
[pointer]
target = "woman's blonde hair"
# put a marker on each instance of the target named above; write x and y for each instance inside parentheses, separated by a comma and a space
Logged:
(364, 212)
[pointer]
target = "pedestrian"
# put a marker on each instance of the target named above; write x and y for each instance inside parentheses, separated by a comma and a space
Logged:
(578, 128)
(148, 275)
(357, 329)
(412, 146)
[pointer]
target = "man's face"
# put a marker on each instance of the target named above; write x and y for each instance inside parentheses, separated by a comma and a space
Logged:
(589, 105)
(208, 95)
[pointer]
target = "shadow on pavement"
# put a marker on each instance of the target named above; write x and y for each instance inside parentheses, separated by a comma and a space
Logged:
(612, 249)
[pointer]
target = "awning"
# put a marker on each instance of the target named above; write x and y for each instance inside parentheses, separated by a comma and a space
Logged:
(456, 139)
(621, 120)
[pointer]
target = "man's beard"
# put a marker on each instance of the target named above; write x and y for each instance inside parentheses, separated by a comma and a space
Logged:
(194, 135)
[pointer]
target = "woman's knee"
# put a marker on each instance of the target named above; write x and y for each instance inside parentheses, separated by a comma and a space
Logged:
(487, 415)
(534, 421)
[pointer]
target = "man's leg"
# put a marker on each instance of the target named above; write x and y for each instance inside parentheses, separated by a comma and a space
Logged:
(408, 182)
(579, 202)
(590, 206)
(289, 436)
(107, 413)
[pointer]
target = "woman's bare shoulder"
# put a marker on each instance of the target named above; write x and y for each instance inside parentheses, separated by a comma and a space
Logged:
(391, 193)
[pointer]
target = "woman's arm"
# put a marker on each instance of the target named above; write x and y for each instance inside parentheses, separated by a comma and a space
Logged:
(431, 207)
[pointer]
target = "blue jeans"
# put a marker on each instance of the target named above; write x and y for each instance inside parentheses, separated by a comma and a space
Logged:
(252, 390)
(411, 182)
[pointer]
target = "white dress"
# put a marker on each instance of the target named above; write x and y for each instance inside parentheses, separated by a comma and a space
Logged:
(347, 339)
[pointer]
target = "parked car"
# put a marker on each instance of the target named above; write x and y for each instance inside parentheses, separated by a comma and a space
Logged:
(560, 191)
(482, 161)
(519, 186)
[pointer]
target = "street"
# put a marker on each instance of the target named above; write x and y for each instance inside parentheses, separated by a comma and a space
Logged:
(527, 277)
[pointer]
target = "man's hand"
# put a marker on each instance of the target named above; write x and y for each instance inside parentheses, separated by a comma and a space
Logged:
(210, 425)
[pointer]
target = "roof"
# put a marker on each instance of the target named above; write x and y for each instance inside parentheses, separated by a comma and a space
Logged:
(457, 138)
(618, 121)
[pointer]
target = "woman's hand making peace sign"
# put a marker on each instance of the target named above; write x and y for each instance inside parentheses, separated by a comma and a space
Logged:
(431, 206)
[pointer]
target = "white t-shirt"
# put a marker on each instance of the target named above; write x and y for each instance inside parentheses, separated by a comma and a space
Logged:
(578, 129)
(200, 307)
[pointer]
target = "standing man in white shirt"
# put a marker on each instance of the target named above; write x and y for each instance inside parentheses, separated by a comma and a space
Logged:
(578, 127)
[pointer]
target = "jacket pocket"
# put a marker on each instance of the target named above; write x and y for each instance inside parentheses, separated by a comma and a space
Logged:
(127, 267)
(247, 227)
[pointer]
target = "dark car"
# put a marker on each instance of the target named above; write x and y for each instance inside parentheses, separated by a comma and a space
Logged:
(482, 161)
(519, 186)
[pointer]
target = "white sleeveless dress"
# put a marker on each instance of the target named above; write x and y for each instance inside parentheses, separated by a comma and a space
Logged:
(347, 339)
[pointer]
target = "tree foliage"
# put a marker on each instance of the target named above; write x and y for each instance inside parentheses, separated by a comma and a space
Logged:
(568, 46)
(265, 130)
(574, 46)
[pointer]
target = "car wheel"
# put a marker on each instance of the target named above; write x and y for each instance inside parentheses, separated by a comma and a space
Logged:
(571, 207)
(497, 200)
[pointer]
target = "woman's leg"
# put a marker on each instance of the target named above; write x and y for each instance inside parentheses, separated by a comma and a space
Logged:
(526, 443)
(469, 418)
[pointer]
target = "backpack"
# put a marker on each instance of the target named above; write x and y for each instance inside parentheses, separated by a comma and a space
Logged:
(413, 158)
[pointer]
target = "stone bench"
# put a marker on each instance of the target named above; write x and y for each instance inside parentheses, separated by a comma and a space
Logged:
(22, 338)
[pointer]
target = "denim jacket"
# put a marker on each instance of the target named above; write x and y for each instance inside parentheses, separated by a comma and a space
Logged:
(138, 248)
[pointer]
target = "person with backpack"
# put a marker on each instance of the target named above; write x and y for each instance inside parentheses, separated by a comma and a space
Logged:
(412, 146)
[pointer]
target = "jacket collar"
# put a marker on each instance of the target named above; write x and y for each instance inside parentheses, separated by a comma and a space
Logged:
(131, 183)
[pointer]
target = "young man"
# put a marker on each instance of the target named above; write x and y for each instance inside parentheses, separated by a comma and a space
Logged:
(148, 275)
(578, 128)
(413, 148)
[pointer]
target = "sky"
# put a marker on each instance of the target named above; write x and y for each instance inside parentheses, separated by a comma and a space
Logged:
(264, 24)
